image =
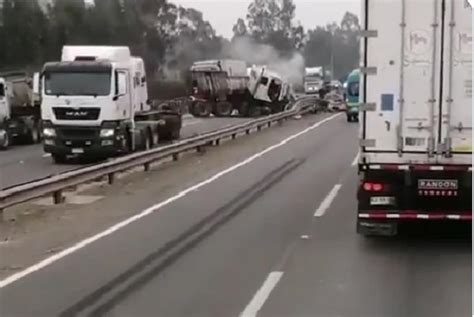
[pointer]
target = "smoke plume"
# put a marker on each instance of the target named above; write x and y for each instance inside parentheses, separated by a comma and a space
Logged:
(246, 49)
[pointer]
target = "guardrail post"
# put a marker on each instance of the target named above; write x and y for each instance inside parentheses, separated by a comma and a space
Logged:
(58, 197)
(147, 167)
(269, 124)
(247, 131)
(259, 127)
(200, 149)
(111, 178)
(175, 157)
(234, 136)
(218, 142)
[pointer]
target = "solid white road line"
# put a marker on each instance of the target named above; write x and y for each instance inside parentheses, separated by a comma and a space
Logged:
(327, 201)
(356, 159)
(50, 260)
(262, 295)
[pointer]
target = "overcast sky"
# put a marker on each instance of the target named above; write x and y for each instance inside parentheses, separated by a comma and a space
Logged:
(224, 13)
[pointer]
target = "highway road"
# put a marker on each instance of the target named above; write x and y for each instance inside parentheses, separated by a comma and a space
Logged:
(273, 235)
(22, 164)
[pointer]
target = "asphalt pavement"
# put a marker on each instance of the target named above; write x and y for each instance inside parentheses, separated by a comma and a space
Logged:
(23, 164)
(272, 236)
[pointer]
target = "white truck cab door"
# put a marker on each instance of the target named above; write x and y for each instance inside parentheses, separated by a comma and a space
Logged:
(123, 97)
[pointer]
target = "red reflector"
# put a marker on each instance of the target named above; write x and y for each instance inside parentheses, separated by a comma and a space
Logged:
(367, 186)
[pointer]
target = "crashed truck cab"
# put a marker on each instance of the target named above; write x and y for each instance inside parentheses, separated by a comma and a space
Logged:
(267, 87)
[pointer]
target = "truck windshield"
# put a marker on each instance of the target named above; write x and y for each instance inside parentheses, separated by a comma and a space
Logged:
(353, 89)
(78, 84)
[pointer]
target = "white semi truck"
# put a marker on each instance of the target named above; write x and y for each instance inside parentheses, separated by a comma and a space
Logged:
(20, 120)
(95, 104)
(416, 121)
(221, 86)
(313, 80)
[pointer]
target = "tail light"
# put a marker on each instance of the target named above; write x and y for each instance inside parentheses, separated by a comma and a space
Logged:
(373, 186)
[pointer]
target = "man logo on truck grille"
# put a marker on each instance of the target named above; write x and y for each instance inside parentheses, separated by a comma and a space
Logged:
(442, 184)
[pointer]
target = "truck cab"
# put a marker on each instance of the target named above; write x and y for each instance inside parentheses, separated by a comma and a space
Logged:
(89, 101)
(352, 96)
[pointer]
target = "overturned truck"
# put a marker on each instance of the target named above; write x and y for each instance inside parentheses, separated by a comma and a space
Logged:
(222, 86)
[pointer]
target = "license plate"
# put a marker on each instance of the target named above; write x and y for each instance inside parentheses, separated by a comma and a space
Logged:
(380, 201)
(77, 151)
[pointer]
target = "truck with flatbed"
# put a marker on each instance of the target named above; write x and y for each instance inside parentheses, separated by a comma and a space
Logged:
(222, 86)
(95, 104)
(20, 119)
(416, 114)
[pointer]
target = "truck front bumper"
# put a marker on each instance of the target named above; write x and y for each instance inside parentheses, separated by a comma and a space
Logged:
(84, 141)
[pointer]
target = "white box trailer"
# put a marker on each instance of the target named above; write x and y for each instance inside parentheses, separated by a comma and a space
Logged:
(416, 120)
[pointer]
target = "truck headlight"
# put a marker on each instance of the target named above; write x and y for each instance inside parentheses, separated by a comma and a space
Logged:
(49, 132)
(107, 133)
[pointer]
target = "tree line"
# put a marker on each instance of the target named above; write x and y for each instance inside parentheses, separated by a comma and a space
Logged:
(167, 36)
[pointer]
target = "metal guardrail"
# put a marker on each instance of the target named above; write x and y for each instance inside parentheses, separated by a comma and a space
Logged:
(56, 184)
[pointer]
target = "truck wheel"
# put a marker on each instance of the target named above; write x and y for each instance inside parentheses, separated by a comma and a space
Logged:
(244, 109)
(33, 136)
(202, 109)
(5, 140)
(176, 134)
(223, 109)
(59, 158)
(349, 118)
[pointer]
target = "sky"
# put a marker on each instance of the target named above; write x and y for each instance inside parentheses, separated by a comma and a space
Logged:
(223, 14)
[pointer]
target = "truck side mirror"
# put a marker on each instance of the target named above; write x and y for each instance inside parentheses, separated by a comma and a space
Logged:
(36, 83)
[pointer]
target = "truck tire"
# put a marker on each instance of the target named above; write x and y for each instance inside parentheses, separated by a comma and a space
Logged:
(202, 109)
(223, 109)
(349, 118)
(34, 134)
(5, 143)
(244, 109)
(59, 158)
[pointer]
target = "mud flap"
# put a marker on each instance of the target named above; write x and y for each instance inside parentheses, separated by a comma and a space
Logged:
(377, 228)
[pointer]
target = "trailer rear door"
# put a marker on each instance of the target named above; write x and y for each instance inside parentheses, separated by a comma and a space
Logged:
(456, 124)
(406, 77)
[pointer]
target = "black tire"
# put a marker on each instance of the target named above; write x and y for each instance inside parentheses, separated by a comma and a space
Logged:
(202, 109)
(147, 140)
(176, 134)
(244, 109)
(223, 109)
(34, 134)
(59, 158)
(349, 118)
(6, 142)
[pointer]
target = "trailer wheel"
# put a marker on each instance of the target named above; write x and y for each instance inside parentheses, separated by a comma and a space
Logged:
(5, 140)
(223, 109)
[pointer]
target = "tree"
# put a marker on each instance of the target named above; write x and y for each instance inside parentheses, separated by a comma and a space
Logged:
(24, 33)
(335, 45)
(272, 22)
